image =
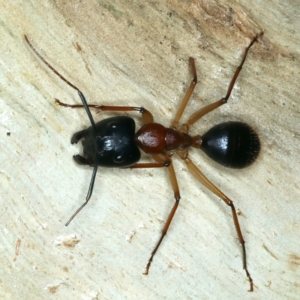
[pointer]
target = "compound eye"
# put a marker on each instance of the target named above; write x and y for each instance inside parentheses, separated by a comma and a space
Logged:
(113, 124)
(119, 159)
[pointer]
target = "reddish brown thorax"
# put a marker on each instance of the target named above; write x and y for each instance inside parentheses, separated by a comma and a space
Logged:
(154, 138)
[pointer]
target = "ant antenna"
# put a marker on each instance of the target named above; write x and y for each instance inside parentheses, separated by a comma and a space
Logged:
(88, 196)
(65, 80)
(90, 191)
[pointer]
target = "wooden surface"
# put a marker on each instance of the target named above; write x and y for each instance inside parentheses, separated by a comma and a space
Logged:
(136, 53)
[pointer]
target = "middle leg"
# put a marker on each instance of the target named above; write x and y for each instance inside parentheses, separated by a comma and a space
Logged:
(172, 213)
(187, 95)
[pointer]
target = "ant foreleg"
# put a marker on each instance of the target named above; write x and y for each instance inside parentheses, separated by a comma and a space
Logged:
(146, 114)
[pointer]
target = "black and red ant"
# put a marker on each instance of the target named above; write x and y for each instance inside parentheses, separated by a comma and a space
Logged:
(113, 143)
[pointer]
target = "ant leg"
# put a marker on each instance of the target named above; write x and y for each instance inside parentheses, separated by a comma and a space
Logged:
(202, 178)
(146, 115)
(149, 165)
(172, 213)
(205, 110)
(187, 95)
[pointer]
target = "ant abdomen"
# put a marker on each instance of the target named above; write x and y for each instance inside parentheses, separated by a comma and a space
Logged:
(231, 144)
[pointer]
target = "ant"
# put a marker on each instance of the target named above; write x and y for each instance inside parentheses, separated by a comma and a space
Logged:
(114, 143)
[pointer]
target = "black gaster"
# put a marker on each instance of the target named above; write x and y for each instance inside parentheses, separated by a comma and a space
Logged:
(231, 144)
(112, 144)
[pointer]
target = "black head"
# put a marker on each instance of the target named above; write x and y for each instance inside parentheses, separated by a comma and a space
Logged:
(231, 144)
(111, 143)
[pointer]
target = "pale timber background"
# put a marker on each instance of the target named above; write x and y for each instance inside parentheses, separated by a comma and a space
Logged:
(136, 53)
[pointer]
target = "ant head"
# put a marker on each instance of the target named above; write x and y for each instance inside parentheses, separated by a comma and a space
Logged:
(111, 143)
